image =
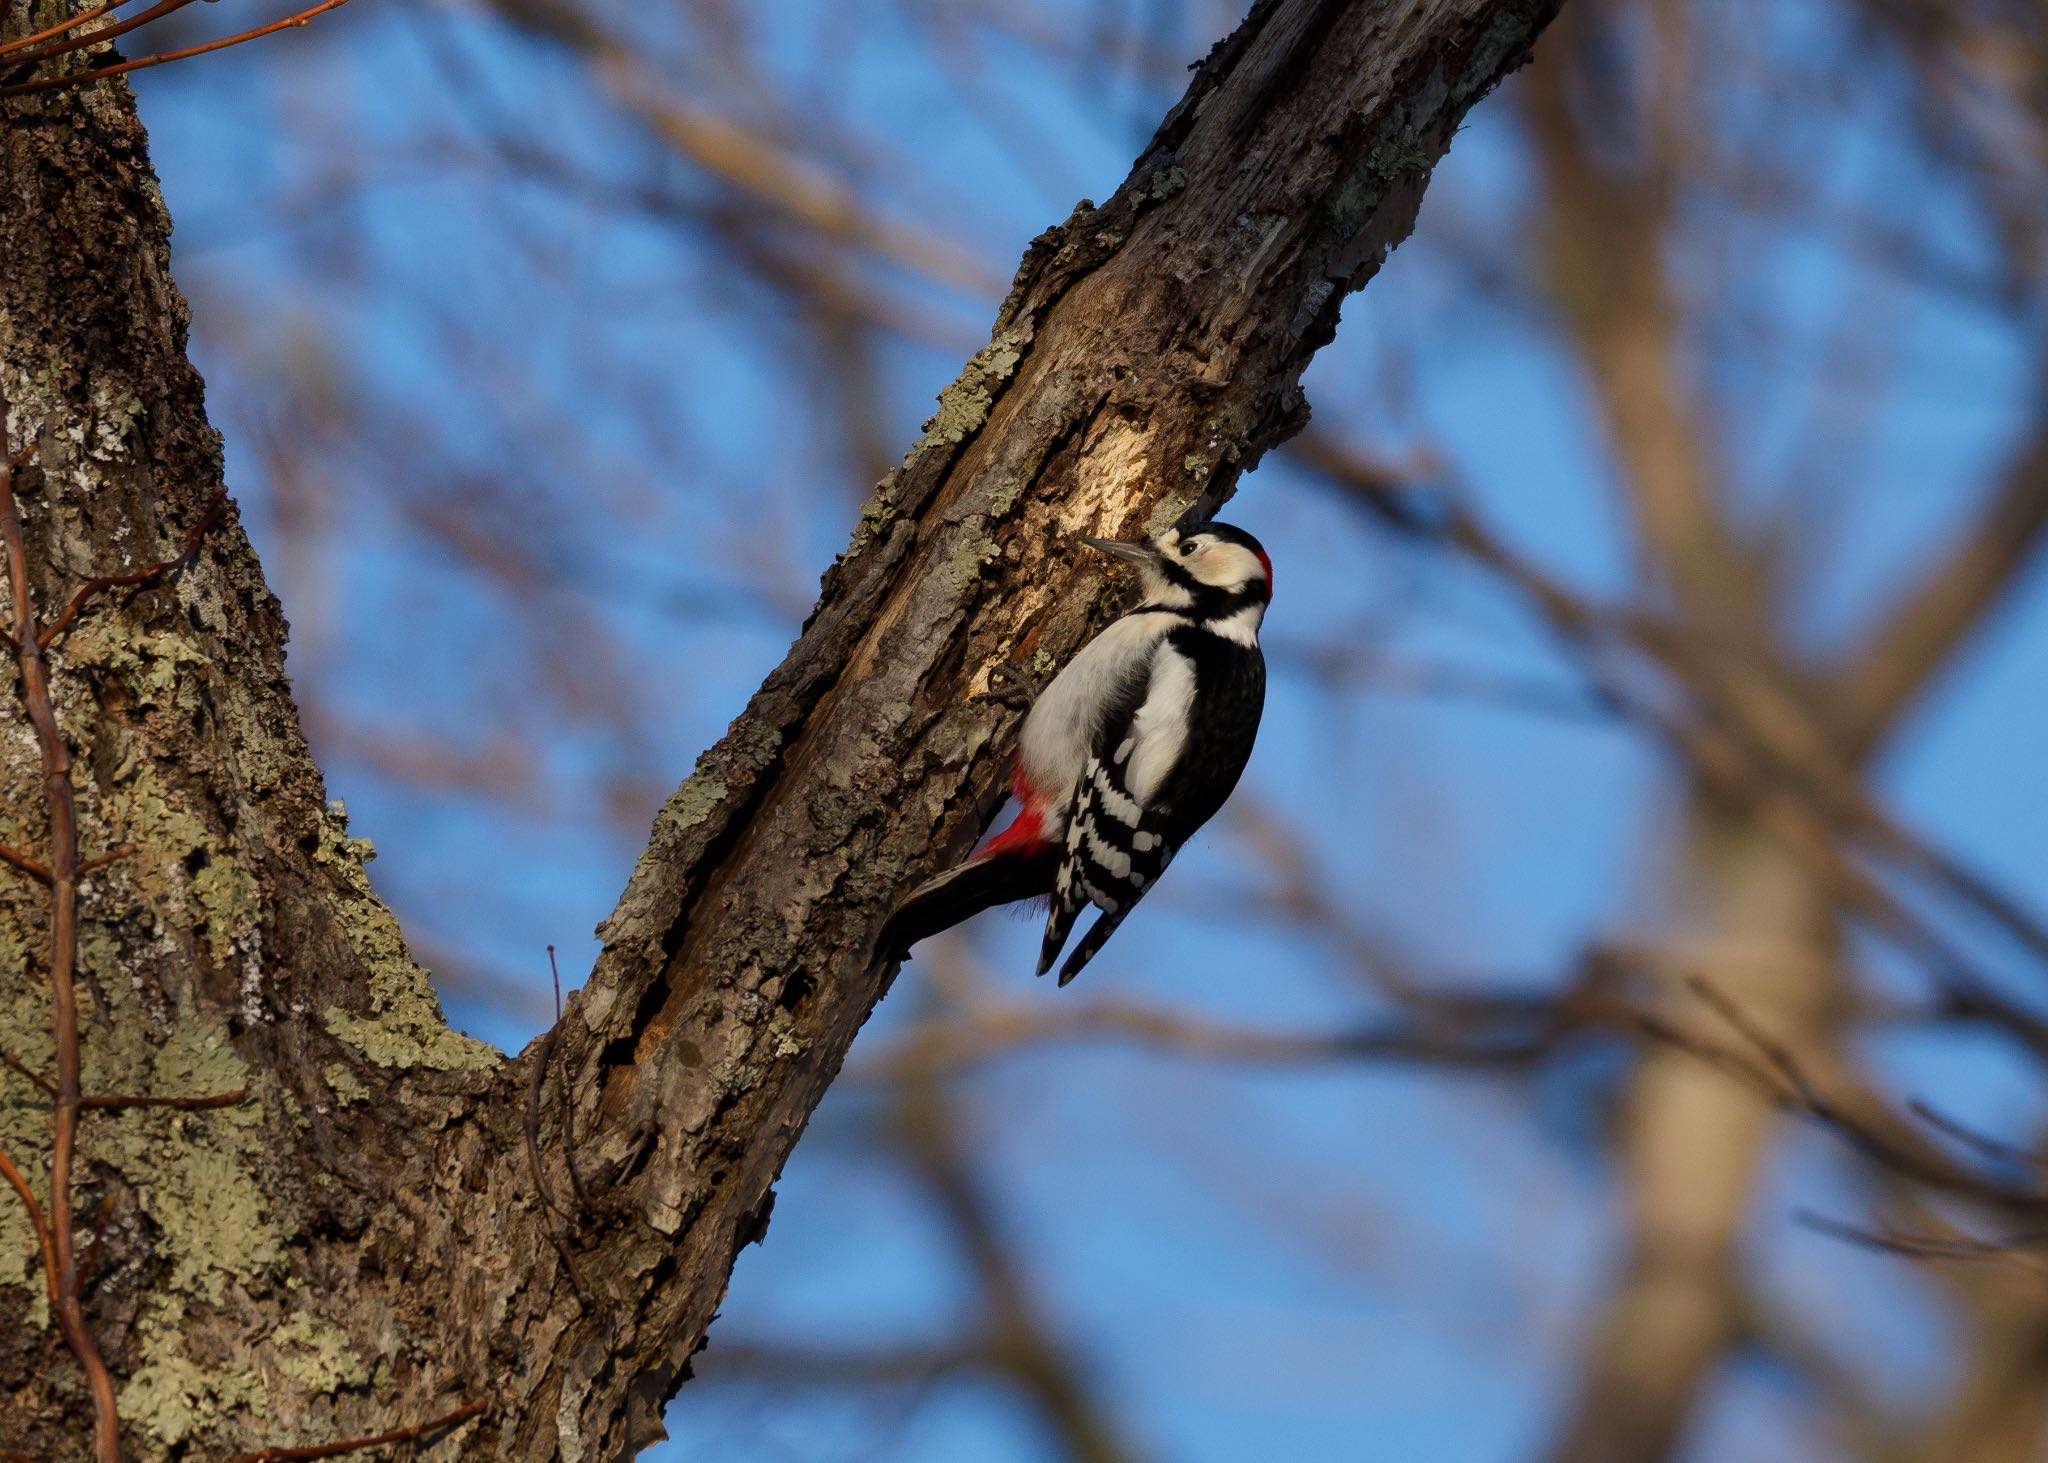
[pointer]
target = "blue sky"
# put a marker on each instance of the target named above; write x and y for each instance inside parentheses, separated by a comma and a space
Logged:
(1344, 1262)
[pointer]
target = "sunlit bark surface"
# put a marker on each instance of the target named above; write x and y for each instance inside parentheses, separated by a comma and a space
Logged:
(361, 1244)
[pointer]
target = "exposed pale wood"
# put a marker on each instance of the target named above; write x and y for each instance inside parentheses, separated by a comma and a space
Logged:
(1150, 350)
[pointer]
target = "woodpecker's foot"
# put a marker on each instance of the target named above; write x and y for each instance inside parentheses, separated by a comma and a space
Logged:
(1013, 686)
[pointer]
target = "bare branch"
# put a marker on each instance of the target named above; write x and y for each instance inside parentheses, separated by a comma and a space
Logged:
(143, 63)
(357, 1445)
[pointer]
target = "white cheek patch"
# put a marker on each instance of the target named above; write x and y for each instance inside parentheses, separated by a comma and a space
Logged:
(1227, 566)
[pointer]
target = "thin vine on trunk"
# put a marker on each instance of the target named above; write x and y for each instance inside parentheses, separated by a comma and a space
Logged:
(362, 1241)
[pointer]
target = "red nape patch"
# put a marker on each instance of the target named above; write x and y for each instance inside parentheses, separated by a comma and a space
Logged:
(1266, 564)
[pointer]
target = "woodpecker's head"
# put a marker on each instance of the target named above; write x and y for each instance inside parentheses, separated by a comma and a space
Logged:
(1211, 570)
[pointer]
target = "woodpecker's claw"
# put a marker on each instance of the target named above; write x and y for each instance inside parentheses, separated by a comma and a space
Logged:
(1009, 684)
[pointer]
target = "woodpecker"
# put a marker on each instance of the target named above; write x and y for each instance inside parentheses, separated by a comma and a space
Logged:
(1134, 745)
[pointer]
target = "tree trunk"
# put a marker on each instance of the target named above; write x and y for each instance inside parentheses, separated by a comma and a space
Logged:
(1755, 923)
(359, 1245)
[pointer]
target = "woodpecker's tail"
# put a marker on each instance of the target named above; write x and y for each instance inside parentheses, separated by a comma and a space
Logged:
(981, 883)
(1104, 926)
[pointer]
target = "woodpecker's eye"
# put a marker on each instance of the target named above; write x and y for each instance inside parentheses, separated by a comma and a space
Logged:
(1188, 548)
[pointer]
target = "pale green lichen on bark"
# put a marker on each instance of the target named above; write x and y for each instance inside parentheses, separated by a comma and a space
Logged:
(152, 666)
(24, 1132)
(730, 1078)
(170, 1395)
(192, 1173)
(689, 806)
(404, 1026)
(221, 895)
(1003, 496)
(965, 565)
(318, 1356)
(215, 1218)
(346, 1086)
(1400, 153)
(964, 405)
(874, 513)
(195, 1174)
(196, 1060)
(782, 1039)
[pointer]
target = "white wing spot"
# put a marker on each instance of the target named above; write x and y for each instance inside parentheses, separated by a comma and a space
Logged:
(1124, 809)
(1113, 861)
(1161, 726)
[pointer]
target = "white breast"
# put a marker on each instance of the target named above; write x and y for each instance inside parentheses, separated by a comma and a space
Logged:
(1067, 718)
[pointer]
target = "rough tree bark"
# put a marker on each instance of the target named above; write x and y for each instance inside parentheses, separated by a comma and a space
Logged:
(359, 1245)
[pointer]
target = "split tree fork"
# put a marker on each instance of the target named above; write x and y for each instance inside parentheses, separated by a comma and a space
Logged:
(372, 1201)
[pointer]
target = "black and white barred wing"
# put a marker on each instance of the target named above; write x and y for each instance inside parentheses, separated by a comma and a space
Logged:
(1116, 841)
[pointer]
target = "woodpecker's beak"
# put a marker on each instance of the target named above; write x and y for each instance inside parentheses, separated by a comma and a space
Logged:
(1130, 553)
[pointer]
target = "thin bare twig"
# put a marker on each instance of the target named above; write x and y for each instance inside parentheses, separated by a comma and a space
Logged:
(76, 78)
(555, 1220)
(568, 1108)
(35, 1218)
(356, 1445)
(39, 872)
(22, 43)
(48, 1087)
(1778, 1058)
(92, 38)
(1777, 1074)
(68, 1098)
(940, 1047)
(80, 597)
(2010, 1249)
(1982, 1144)
(100, 861)
(117, 1101)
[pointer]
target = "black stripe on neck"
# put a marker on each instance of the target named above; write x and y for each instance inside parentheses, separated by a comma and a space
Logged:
(1208, 601)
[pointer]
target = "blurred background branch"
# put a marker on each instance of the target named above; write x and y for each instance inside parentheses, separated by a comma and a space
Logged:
(1659, 608)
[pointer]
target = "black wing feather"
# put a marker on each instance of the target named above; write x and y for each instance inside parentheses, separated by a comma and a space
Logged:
(1116, 849)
